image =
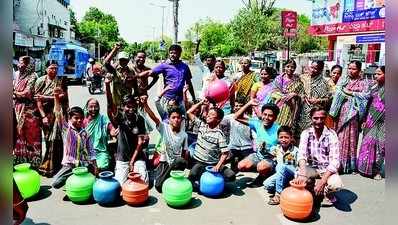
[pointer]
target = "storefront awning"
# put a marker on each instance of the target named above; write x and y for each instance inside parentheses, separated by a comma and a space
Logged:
(23, 40)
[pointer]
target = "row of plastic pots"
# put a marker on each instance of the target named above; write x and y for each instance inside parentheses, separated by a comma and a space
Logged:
(296, 202)
(177, 190)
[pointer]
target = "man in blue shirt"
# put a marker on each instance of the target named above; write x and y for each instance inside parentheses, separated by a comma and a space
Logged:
(266, 136)
(175, 75)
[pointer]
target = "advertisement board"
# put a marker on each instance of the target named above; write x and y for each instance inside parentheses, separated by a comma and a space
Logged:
(359, 10)
(289, 19)
(326, 12)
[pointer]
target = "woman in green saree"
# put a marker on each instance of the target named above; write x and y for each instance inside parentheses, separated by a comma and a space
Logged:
(98, 127)
(287, 92)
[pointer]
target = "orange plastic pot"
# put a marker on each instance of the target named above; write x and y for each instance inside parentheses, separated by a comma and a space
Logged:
(296, 202)
(135, 190)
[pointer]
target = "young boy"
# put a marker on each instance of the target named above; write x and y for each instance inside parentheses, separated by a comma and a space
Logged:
(131, 136)
(238, 134)
(78, 150)
(211, 147)
(174, 145)
(266, 136)
(285, 154)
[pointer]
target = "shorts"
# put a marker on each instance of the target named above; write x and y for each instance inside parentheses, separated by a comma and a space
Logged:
(255, 159)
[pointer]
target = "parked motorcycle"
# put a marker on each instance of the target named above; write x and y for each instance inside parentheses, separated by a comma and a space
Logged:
(95, 83)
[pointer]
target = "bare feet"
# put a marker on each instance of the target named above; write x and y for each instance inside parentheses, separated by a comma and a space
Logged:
(378, 177)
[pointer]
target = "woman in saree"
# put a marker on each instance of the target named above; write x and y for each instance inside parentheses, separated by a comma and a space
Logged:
(372, 151)
(348, 110)
(316, 92)
(44, 89)
(262, 90)
(28, 133)
(288, 89)
(98, 127)
(244, 80)
(335, 75)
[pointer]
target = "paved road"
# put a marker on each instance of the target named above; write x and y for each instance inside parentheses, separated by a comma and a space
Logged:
(361, 202)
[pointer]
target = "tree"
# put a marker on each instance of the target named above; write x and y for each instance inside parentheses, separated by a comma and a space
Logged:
(263, 6)
(99, 27)
(257, 31)
(74, 23)
(304, 41)
(216, 39)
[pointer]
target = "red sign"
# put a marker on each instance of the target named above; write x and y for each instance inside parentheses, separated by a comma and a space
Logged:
(289, 32)
(353, 27)
(289, 19)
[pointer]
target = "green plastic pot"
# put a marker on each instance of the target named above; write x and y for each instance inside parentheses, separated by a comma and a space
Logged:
(79, 186)
(177, 190)
(28, 180)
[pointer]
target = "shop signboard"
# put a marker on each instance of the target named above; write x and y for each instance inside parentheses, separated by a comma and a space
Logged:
(289, 19)
(378, 38)
(352, 27)
(326, 12)
(359, 10)
(23, 40)
(39, 42)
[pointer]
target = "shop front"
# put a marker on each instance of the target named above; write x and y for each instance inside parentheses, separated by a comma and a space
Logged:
(355, 29)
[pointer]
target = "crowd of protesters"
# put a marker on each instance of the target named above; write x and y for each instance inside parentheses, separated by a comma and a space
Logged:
(281, 126)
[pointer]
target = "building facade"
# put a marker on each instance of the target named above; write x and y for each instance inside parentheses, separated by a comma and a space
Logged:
(37, 24)
(355, 29)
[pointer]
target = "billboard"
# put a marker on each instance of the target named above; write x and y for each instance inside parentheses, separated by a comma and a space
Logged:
(326, 12)
(347, 16)
(359, 10)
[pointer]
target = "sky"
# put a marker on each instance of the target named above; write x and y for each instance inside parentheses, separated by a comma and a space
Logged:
(140, 20)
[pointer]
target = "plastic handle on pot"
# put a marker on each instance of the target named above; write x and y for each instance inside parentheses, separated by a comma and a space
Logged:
(22, 167)
(210, 169)
(80, 170)
(177, 173)
(295, 184)
(134, 176)
(105, 174)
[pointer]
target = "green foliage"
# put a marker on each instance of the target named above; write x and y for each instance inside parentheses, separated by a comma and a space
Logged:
(304, 41)
(97, 26)
(257, 27)
(216, 39)
(256, 30)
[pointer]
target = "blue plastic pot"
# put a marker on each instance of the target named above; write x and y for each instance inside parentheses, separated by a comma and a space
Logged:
(106, 189)
(211, 183)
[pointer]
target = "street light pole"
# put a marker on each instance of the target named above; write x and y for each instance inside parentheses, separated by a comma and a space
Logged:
(175, 15)
(163, 7)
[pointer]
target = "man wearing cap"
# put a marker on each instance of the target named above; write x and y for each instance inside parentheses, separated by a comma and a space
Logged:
(122, 75)
(175, 75)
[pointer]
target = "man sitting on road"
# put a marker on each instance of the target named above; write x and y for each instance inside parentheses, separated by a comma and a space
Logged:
(318, 157)
(266, 136)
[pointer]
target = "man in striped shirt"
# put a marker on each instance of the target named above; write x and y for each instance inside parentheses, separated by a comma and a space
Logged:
(211, 148)
(318, 157)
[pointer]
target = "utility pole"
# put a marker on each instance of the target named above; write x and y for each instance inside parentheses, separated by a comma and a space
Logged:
(163, 7)
(99, 49)
(175, 19)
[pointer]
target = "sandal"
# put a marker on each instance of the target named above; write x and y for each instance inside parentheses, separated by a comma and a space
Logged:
(274, 200)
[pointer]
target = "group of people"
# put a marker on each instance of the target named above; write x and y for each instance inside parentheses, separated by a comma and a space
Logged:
(282, 126)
